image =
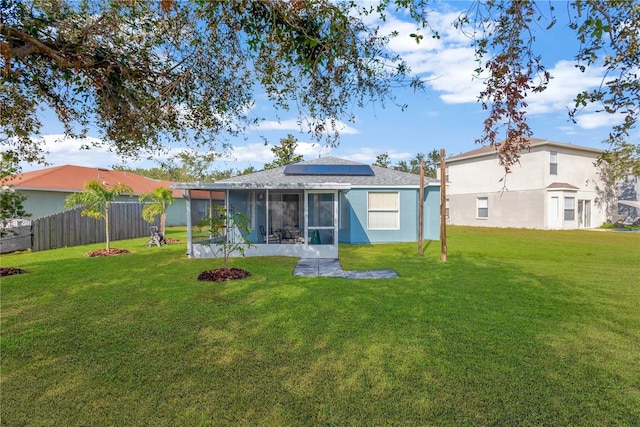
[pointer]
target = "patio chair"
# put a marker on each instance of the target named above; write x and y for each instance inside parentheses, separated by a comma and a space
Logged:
(156, 237)
(292, 235)
(275, 237)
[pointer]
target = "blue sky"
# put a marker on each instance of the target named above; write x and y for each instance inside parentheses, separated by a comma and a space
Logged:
(446, 115)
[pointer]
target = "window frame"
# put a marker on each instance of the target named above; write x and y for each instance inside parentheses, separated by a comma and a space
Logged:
(395, 210)
(553, 163)
(571, 210)
(478, 207)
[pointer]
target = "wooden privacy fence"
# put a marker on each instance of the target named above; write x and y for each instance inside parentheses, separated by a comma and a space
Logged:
(70, 228)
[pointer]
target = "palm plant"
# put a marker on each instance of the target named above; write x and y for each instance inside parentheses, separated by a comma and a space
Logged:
(160, 198)
(96, 199)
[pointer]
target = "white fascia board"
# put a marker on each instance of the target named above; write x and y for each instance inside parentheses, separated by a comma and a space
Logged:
(261, 186)
(415, 187)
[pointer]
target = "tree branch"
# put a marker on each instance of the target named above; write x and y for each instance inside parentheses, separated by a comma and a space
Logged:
(40, 47)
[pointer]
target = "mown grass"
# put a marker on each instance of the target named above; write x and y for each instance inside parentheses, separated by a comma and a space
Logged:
(519, 327)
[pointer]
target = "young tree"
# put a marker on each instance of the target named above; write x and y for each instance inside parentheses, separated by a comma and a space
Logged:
(160, 198)
(96, 199)
(229, 232)
(382, 160)
(432, 163)
(412, 167)
(285, 153)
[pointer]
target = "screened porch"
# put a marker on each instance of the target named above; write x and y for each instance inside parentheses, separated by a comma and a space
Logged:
(287, 221)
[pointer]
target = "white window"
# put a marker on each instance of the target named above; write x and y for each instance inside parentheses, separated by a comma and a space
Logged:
(553, 163)
(569, 208)
(383, 211)
(446, 209)
(446, 171)
(483, 207)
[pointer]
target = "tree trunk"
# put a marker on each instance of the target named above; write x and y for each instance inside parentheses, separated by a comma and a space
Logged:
(106, 227)
(163, 224)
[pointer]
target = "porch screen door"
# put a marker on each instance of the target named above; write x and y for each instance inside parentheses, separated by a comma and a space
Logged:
(321, 218)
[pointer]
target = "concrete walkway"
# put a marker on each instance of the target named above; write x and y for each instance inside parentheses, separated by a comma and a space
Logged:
(322, 267)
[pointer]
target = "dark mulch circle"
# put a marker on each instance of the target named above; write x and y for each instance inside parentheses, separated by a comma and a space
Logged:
(223, 275)
(10, 271)
(104, 252)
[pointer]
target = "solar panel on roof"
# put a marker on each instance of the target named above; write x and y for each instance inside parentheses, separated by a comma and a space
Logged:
(351, 170)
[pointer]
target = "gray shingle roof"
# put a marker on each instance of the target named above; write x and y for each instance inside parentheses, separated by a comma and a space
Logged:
(382, 176)
(275, 178)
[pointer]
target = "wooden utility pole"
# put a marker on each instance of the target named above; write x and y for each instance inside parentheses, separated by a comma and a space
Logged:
(421, 208)
(443, 208)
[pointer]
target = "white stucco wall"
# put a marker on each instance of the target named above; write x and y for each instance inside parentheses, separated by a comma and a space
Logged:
(522, 197)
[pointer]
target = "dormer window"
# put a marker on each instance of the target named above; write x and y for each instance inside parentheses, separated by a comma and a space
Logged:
(553, 162)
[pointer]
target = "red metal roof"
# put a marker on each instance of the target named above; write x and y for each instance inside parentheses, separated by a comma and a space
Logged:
(71, 179)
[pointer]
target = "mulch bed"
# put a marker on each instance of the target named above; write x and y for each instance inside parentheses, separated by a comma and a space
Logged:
(104, 252)
(223, 275)
(172, 240)
(10, 271)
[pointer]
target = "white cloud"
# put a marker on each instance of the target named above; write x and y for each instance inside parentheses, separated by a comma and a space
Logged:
(598, 120)
(305, 126)
(252, 153)
(61, 150)
(446, 64)
(259, 153)
(290, 124)
(368, 155)
(567, 81)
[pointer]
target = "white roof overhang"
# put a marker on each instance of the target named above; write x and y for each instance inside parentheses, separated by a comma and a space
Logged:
(261, 186)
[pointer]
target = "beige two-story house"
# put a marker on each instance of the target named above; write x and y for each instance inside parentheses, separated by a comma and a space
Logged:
(555, 186)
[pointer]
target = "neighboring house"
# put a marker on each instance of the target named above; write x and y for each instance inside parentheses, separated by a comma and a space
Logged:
(628, 203)
(305, 209)
(555, 186)
(46, 190)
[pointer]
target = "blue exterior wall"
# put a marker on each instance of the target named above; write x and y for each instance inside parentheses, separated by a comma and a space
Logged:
(353, 228)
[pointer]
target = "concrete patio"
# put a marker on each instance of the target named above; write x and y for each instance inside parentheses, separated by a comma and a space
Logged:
(322, 267)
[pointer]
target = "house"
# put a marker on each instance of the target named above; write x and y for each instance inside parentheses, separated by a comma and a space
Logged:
(305, 209)
(555, 186)
(46, 190)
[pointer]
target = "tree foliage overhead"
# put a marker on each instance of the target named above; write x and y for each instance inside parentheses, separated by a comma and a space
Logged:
(149, 72)
(609, 37)
(146, 73)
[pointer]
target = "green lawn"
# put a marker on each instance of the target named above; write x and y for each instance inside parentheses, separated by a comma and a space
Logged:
(519, 327)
